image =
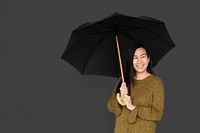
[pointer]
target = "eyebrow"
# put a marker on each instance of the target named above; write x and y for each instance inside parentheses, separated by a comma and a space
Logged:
(141, 54)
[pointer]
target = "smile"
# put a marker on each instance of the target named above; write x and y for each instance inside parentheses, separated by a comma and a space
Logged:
(139, 66)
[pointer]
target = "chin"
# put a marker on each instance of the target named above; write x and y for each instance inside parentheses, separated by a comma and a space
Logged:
(140, 70)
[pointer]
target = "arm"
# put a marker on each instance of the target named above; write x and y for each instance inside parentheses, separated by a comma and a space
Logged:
(112, 104)
(153, 112)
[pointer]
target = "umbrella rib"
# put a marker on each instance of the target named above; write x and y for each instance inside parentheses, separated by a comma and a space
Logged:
(154, 33)
(100, 32)
(127, 21)
(105, 37)
(115, 26)
(158, 35)
(127, 35)
(105, 25)
(133, 28)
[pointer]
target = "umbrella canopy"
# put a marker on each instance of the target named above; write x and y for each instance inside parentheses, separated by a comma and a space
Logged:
(92, 46)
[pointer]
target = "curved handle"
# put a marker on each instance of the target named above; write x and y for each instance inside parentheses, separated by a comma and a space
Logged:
(119, 100)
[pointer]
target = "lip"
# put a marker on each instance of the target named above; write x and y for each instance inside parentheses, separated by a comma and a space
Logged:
(139, 66)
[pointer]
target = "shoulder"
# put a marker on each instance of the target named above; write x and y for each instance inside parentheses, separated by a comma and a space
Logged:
(156, 80)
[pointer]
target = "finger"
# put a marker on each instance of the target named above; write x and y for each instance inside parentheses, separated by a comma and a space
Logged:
(127, 96)
(125, 100)
(123, 84)
(123, 87)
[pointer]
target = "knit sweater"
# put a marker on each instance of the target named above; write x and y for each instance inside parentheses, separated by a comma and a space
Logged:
(148, 97)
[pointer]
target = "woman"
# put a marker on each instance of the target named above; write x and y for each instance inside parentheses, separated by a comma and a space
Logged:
(143, 95)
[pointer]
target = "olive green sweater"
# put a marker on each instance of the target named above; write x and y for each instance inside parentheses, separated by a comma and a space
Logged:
(148, 97)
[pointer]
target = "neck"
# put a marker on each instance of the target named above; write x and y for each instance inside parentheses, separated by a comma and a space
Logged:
(142, 75)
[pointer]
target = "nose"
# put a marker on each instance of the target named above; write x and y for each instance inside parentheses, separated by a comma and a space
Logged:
(139, 60)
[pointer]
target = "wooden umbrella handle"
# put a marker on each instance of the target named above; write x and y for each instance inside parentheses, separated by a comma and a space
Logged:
(119, 100)
(119, 57)
(121, 69)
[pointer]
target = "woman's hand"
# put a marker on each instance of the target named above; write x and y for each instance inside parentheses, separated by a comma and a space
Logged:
(123, 90)
(127, 100)
(125, 97)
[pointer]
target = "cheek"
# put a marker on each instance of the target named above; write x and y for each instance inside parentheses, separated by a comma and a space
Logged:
(134, 62)
(146, 61)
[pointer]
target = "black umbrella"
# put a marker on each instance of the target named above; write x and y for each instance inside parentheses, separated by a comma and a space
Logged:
(92, 48)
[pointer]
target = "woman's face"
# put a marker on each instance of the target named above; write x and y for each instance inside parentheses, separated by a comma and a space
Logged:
(140, 60)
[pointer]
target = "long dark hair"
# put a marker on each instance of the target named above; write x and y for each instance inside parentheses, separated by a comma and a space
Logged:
(129, 72)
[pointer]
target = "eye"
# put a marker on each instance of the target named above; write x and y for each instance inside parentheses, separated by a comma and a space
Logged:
(143, 56)
(134, 57)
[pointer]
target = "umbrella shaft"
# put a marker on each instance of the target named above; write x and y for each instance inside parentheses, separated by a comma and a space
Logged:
(119, 57)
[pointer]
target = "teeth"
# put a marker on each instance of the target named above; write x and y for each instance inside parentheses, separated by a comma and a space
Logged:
(140, 66)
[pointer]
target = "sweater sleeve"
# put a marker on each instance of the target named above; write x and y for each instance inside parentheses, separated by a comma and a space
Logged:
(112, 104)
(153, 112)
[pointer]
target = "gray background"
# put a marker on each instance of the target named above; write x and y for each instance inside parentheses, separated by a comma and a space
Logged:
(40, 93)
